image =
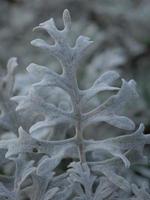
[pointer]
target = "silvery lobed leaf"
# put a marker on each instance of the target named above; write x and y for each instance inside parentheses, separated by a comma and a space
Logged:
(104, 189)
(109, 111)
(111, 167)
(140, 193)
(41, 108)
(6, 194)
(80, 173)
(48, 77)
(57, 150)
(23, 169)
(103, 83)
(40, 180)
(119, 145)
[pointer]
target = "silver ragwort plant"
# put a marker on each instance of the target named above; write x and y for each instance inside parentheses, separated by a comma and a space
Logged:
(94, 169)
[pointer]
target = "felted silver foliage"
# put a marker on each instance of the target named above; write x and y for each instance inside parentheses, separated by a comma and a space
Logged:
(69, 57)
(8, 116)
(95, 178)
(10, 119)
(110, 111)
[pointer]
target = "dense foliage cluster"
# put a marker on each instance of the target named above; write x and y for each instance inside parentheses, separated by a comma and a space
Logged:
(51, 145)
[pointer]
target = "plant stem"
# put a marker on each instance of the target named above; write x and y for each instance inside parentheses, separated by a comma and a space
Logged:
(75, 97)
(79, 141)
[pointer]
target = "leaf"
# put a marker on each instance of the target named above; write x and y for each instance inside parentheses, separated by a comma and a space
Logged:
(110, 109)
(119, 145)
(56, 149)
(4, 192)
(80, 173)
(111, 167)
(140, 193)
(36, 104)
(49, 78)
(101, 84)
(24, 168)
(104, 189)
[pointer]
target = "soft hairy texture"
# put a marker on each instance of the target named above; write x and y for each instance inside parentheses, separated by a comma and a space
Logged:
(97, 169)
